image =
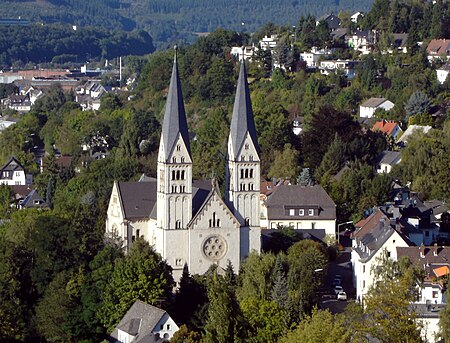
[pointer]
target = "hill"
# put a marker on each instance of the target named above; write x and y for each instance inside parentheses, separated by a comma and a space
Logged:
(172, 20)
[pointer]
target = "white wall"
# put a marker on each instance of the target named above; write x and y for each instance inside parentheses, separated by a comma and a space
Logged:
(329, 225)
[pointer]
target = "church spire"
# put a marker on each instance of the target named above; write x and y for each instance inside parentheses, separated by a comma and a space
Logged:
(242, 121)
(175, 123)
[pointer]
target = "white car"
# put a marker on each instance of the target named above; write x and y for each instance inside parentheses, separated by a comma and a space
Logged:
(342, 296)
(338, 289)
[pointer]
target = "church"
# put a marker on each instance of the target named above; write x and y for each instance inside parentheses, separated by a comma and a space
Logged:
(185, 220)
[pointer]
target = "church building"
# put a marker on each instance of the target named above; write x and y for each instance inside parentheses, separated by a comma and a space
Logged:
(188, 221)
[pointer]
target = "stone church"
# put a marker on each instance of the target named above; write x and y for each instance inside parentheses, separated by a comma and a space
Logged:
(188, 221)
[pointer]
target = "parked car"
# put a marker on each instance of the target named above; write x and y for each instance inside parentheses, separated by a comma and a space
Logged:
(338, 289)
(342, 296)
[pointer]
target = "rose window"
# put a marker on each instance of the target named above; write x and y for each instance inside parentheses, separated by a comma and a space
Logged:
(214, 247)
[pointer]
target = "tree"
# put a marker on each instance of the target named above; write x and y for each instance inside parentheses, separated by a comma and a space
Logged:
(418, 103)
(225, 320)
(141, 275)
(285, 164)
(184, 335)
(444, 321)
(320, 326)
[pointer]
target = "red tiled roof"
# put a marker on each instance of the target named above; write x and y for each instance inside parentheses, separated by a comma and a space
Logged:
(439, 47)
(384, 126)
(369, 224)
(441, 271)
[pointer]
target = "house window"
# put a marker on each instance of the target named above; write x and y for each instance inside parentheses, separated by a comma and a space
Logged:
(246, 146)
(427, 233)
(182, 175)
(251, 173)
(168, 326)
(292, 212)
(161, 327)
(138, 233)
(182, 159)
(250, 187)
(435, 294)
(178, 147)
(178, 224)
(174, 189)
(301, 212)
(313, 225)
(364, 268)
(182, 189)
(299, 226)
(364, 283)
(179, 262)
(310, 212)
(214, 221)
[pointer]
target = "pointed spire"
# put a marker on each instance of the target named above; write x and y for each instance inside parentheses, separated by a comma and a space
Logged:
(242, 121)
(175, 122)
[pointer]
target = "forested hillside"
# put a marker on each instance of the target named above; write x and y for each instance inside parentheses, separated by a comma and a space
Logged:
(60, 44)
(167, 21)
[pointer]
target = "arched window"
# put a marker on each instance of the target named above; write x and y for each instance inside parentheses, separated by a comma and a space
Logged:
(247, 222)
(174, 159)
(246, 173)
(250, 187)
(214, 221)
(178, 224)
(182, 159)
(178, 147)
(251, 173)
(173, 174)
(182, 175)
(246, 146)
(178, 174)
(242, 173)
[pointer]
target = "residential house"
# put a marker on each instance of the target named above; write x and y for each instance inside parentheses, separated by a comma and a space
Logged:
(89, 95)
(386, 160)
(13, 173)
(372, 237)
(348, 67)
(300, 207)
(400, 43)
(411, 131)
(356, 16)
(332, 21)
(188, 221)
(243, 52)
(368, 107)
(388, 127)
(268, 43)
(442, 72)
(438, 49)
(5, 124)
(297, 125)
(33, 200)
(17, 102)
(362, 41)
(434, 260)
(313, 57)
(144, 323)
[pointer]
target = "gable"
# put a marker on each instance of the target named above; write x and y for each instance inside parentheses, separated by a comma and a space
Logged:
(247, 151)
(137, 199)
(214, 214)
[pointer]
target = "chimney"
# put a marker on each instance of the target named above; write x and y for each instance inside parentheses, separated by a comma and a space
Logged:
(435, 249)
(422, 250)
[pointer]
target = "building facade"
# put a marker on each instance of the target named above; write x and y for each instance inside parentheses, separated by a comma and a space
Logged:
(187, 221)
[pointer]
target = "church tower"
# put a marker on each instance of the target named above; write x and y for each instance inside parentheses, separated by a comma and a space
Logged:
(243, 168)
(174, 179)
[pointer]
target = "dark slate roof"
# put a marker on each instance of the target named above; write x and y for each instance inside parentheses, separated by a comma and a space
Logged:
(139, 321)
(432, 255)
(373, 102)
(12, 165)
(242, 121)
(389, 157)
(306, 197)
(137, 198)
(33, 199)
(175, 116)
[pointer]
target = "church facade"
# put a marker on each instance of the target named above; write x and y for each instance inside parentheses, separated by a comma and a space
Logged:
(188, 221)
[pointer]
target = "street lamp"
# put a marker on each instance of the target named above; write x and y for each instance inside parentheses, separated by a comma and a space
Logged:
(349, 222)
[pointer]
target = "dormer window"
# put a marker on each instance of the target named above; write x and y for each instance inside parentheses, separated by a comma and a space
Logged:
(301, 212)
(310, 212)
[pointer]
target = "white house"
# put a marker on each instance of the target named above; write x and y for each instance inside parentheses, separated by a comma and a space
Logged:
(355, 17)
(348, 67)
(144, 323)
(372, 236)
(368, 108)
(386, 160)
(12, 173)
(442, 73)
(268, 43)
(300, 207)
(362, 41)
(245, 52)
(411, 131)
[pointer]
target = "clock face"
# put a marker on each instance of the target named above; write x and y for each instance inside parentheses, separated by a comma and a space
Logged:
(214, 247)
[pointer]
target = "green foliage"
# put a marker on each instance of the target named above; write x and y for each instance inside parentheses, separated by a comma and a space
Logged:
(286, 164)
(425, 162)
(444, 321)
(225, 319)
(60, 44)
(418, 103)
(140, 275)
(387, 314)
(320, 326)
